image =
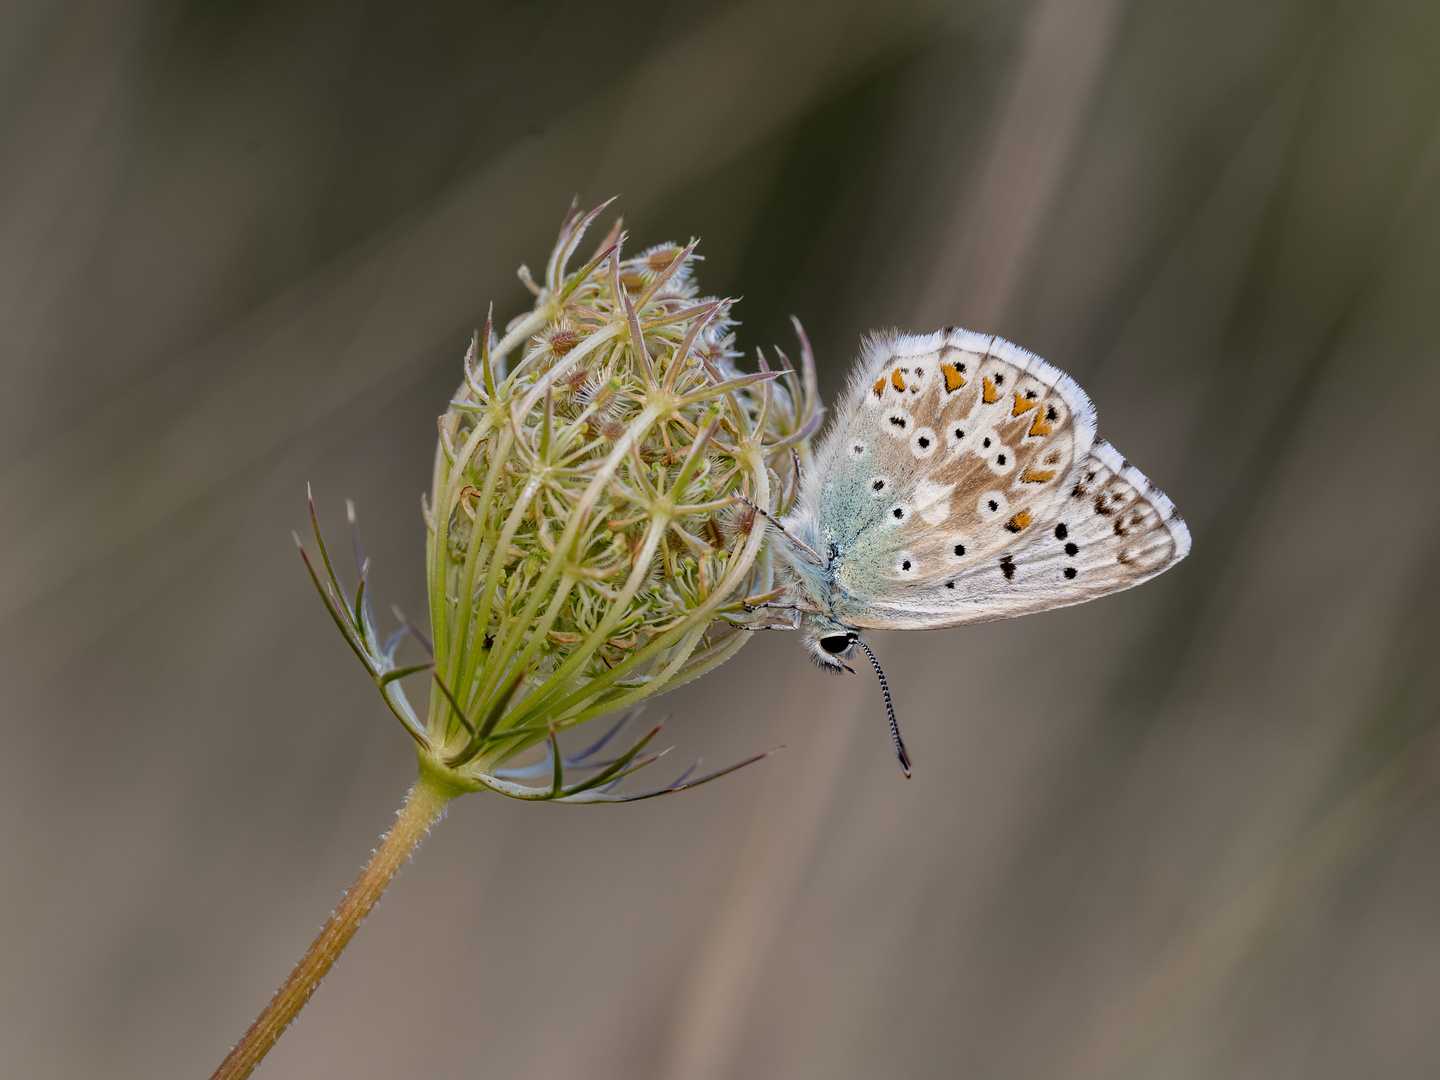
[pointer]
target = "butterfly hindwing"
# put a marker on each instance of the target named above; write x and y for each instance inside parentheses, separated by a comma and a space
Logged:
(1112, 531)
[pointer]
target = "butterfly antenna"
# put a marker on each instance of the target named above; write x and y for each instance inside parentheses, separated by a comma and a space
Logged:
(889, 709)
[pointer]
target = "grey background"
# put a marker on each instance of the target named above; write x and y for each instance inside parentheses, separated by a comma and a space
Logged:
(1185, 832)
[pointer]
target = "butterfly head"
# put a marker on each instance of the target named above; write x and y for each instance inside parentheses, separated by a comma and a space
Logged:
(829, 642)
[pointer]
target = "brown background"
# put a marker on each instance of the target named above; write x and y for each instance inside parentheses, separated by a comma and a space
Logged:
(1186, 832)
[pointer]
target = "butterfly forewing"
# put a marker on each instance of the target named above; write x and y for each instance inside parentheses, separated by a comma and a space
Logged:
(953, 460)
(949, 447)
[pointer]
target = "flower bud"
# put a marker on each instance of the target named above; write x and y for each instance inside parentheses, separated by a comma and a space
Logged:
(590, 531)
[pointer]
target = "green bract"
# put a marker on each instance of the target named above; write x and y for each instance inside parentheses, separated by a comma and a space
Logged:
(590, 533)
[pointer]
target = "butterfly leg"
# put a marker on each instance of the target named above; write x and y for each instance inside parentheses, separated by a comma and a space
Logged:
(755, 617)
(804, 548)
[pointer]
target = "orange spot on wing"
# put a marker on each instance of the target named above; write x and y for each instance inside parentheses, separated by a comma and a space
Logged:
(879, 386)
(1032, 475)
(1023, 405)
(1041, 426)
(1019, 521)
(953, 379)
(897, 379)
(990, 395)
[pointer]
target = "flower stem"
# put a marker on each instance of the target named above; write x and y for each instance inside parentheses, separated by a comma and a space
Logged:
(423, 806)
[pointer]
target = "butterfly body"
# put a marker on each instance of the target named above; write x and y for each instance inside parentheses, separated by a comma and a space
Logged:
(961, 481)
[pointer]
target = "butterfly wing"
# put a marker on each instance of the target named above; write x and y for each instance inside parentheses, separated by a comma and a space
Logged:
(954, 456)
(1112, 530)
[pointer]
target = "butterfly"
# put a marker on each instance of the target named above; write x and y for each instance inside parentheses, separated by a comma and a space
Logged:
(960, 482)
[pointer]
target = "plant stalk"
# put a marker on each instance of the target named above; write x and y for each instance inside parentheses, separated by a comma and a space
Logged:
(423, 806)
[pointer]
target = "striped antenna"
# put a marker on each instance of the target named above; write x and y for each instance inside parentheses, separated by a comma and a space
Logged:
(889, 709)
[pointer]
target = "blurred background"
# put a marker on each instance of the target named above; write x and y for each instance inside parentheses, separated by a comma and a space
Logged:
(1189, 831)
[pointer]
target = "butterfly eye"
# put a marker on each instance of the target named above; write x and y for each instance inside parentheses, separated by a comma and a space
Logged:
(835, 643)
